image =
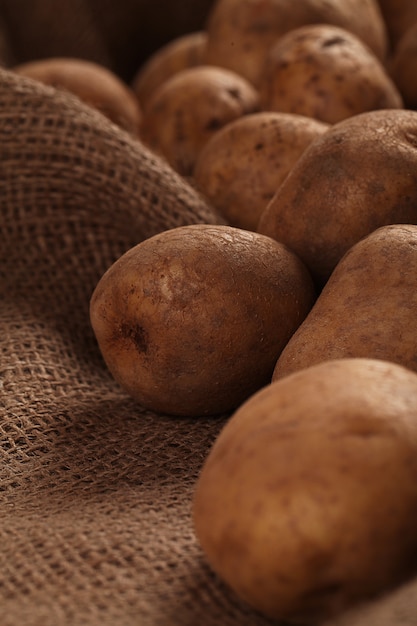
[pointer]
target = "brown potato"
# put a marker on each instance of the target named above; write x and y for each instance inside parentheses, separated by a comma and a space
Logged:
(399, 16)
(178, 54)
(90, 82)
(243, 164)
(241, 32)
(192, 321)
(187, 109)
(359, 175)
(327, 73)
(306, 504)
(403, 67)
(367, 308)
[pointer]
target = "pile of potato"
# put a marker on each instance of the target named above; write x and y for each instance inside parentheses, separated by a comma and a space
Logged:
(296, 313)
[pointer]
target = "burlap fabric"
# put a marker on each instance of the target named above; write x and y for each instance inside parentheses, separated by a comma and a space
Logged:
(95, 492)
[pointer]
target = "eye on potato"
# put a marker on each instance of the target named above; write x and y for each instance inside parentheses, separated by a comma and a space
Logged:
(367, 308)
(325, 72)
(242, 165)
(359, 175)
(241, 32)
(306, 504)
(90, 82)
(179, 54)
(187, 109)
(192, 321)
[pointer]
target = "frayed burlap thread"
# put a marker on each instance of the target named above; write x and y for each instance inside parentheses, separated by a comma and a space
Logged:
(95, 492)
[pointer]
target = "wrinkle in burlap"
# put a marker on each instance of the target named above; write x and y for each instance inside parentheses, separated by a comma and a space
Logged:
(95, 492)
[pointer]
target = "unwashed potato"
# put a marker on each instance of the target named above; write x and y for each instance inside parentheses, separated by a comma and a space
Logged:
(367, 308)
(92, 83)
(403, 66)
(399, 16)
(192, 321)
(359, 175)
(187, 109)
(324, 71)
(178, 54)
(243, 164)
(241, 32)
(306, 504)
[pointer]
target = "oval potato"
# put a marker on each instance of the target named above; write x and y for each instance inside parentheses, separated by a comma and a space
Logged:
(403, 67)
(307, 501)
(242, 165)
(192, 321)
(367, 308)
(92, 83)
(359, 175)
(178, 54)
(187, 109)
(241, 32)
(325, 72)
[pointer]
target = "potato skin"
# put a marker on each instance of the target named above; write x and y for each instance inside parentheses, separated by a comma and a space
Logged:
(403, 66)
(92, 83)
(367, 308)
(294, 507)
(242, 165)
(178, 54)
(327, 73)
(191, 321)
(360, 175)
(399, 16)
(253, 26)
(187, 109)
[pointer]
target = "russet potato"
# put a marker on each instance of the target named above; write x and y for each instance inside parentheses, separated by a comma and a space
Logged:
(92, 83)
(325, 72)
(190, 107)
(367, 307)
(242, 165)
(359, 175)
(306, 504)
(178, 54)
(241, 32)
(192, 320)
(403, 66)
(399, 16)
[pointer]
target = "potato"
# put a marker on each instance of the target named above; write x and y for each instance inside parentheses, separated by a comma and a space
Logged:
(399, 16)
(403, 67)
(242, 165)
(179, 54)
(359, 175)
(325, 72)
(367, 308)
(306, 504)
(192, 320)
(187, 109)
(92, 83)
(241, 32)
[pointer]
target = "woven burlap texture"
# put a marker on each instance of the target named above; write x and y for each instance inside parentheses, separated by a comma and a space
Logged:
(95, 492)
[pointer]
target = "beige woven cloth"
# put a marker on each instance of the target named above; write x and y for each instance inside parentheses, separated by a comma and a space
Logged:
(95, 492)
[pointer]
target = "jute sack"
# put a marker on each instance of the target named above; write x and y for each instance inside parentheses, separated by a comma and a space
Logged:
(94, 491)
